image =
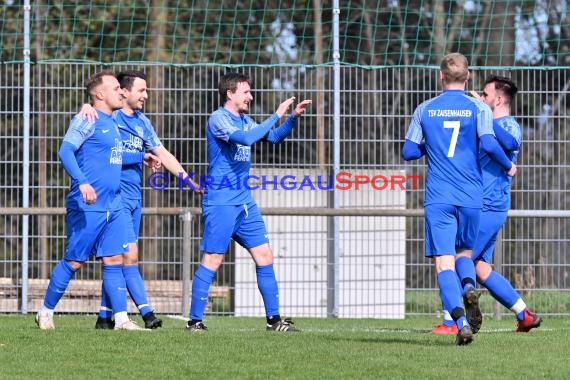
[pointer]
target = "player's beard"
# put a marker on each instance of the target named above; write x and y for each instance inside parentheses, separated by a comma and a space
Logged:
(139, 108)
(136, 105)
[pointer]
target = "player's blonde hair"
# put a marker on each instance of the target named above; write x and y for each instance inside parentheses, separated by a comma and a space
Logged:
(95, 81)
(454, 68)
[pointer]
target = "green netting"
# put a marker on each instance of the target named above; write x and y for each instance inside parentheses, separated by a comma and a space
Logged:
(273, 32)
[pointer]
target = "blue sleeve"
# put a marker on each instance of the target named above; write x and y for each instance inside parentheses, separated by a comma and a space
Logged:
(507, 141)
(415, 132)
(151, 140)
(484, 118)
(130, 158)
(490, 145)
(412, 150)
(69, 162)
(79, 130)
(279, 134)
(255, 134)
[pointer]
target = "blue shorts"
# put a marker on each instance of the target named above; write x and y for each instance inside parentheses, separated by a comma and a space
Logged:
(448, 228)
(134, 207)
(490, 224)
(96, 233)
(243, 223)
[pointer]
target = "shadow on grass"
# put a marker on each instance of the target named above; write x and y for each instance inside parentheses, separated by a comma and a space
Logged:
(417, 337)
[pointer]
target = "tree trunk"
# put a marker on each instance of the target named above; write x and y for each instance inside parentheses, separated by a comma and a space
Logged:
(320, 90)
(149, 248)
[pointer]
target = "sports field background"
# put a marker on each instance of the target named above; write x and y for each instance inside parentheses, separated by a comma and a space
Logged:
(239, 348)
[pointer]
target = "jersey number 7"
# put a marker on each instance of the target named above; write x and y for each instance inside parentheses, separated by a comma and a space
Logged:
(455, 125)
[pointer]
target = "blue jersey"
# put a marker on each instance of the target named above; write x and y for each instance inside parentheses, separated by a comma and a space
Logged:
(496, 183)
(451, 124)
(98, 152)
(228, 162)
(138, 136)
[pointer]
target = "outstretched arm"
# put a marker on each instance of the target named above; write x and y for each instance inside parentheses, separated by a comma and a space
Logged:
(130, 158)
(254, 135)
(279, 134)
(148, 159)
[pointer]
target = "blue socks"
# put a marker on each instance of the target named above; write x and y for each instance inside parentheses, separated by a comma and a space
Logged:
(204, 277)
(447, 319)
(135, 285)
(115, 286)
(105, 311)
(200, 287)
(59, 280)
(466, 272)
(450, 295)
(267, 285)
(502, 290)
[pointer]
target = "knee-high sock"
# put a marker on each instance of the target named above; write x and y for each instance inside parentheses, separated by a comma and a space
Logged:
(450, 294)
(466, 273)
(115, 287)
(135, 286)
(267, 285)
(502, 290)
(447, 320)
(58, 283)
(105, 310)
(200, 287)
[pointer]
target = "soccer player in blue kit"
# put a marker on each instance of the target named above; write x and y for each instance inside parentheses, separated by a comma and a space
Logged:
(228, 209)
(138, 136)
(498, 93)
(450, 128)
(92, 155)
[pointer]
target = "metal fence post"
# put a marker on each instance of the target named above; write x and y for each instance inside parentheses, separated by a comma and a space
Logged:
(26, 158)
(186, 258)
(497, 264)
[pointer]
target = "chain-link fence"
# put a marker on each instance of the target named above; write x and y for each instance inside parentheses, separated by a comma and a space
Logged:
(379, 269)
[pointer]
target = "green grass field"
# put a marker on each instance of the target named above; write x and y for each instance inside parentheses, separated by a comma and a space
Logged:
(240, 348)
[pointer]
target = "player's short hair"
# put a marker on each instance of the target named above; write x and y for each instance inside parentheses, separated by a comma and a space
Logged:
(127, 78)
(504, 85)
(96, 80)
(454, 67)
(229, 82)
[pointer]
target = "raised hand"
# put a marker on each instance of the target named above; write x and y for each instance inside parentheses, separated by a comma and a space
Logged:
(283, 107)
(476, 95)
(301, 107)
